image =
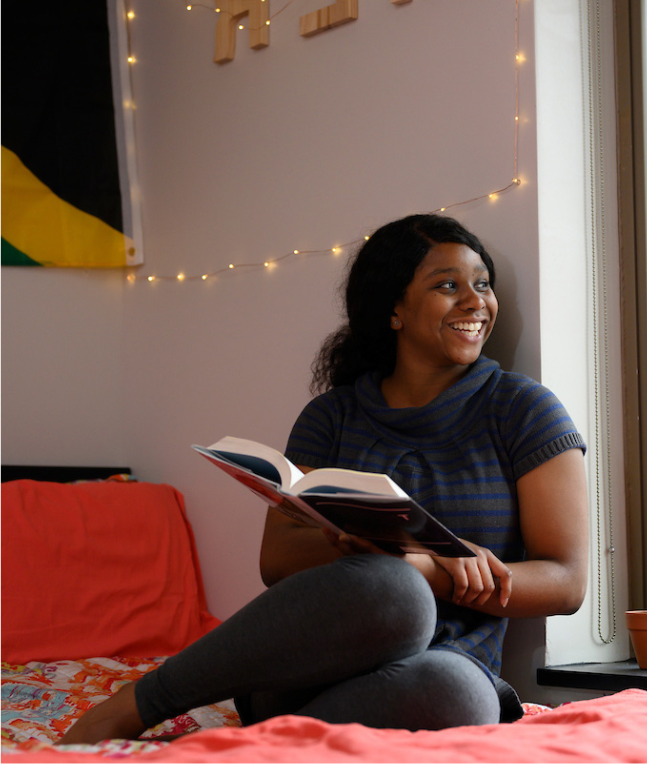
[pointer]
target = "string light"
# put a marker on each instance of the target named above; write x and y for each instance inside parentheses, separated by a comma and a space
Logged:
(217, 9)
(338, 249)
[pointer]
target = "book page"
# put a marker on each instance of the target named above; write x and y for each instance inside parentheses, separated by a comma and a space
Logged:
(333, 479)
(258, 458)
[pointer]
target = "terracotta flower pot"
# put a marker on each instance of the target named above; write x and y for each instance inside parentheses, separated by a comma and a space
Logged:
(637, 625)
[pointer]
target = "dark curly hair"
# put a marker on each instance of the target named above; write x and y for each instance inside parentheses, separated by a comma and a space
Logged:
(377, 279)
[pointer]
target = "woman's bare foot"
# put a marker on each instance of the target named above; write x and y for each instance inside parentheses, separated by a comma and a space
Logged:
(116, 717)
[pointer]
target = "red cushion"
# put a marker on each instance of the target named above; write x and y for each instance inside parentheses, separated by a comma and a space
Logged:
(98, 569)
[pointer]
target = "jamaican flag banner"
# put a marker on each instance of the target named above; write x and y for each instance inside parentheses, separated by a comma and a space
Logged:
(65, 177)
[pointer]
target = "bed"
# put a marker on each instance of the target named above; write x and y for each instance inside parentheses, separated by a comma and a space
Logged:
(101, 581)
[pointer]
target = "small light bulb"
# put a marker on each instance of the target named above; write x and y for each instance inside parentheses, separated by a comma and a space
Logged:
(493, 196)
(442, 209)
(205, 277)
(181, 277)
(151, 278)
(131, 14)
(240, 26)
(336, 250)
(516, 119)
(189, 7)
(366, 238)
(231, 265)
(296, 252)
(131, 59)
(131, 278)
(267, 23)
(516, 181)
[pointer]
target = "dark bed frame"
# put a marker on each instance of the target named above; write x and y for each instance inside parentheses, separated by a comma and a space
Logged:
(58, 474)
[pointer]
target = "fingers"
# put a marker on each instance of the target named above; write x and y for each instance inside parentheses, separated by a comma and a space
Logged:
(475, 579)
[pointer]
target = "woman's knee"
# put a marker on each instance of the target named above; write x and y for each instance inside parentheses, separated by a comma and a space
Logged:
(389, 590)
(450, 690)
(432, 690)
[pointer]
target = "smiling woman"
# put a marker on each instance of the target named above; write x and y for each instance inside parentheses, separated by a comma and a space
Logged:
(346, 632)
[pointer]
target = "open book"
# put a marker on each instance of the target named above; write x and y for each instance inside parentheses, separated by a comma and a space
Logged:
(364, 504)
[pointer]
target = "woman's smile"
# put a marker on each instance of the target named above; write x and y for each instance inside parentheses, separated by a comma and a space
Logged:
(471, 329)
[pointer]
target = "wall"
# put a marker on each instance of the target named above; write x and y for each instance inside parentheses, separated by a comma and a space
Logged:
(306, 144)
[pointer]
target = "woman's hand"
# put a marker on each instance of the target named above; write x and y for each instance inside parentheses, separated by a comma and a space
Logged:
(476, 579)
(348, 544)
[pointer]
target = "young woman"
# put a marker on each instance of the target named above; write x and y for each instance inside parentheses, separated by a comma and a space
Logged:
(346, 632)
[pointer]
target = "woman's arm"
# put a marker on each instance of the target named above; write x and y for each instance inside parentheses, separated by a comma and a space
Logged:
(289, 546)
(553, 513)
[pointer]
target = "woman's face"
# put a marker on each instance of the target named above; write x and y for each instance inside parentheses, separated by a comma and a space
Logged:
(448, 310)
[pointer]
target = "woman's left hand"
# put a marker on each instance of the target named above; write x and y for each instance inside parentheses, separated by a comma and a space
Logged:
(348, 544)
(476, 578)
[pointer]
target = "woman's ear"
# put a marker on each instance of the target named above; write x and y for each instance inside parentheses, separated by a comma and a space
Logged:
(395, 322)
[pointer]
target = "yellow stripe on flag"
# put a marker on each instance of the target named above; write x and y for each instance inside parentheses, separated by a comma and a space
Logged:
(49, 230)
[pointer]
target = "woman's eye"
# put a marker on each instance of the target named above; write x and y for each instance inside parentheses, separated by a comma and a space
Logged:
(483, 286)
(446, 285)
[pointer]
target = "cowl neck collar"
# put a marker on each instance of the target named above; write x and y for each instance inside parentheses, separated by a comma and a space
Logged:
(445, 416)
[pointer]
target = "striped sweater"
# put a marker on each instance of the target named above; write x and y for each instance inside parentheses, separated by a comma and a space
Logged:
(459, 457)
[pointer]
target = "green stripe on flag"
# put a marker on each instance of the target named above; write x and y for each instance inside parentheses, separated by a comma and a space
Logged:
(13, 256)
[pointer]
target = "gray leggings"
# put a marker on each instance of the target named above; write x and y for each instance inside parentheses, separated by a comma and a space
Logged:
(344, 642)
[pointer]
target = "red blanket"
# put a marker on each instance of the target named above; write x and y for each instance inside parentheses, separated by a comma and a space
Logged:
(612, 728)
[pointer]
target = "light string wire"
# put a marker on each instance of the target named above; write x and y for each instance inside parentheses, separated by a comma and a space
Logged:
(191, 6)
(599, 295)
(339, 248)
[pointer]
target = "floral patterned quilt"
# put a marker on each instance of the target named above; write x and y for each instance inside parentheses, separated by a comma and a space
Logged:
(41, 700)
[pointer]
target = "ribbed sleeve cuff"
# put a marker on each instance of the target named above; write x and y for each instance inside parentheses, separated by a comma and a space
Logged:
(543, 454)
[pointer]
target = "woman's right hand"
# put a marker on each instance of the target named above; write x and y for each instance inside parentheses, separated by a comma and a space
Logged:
(476, 579)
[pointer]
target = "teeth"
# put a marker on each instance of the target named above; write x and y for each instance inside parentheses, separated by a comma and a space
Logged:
(472, 329)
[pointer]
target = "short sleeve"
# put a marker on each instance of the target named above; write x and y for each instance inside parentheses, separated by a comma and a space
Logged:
(313, 436)
(538, 428)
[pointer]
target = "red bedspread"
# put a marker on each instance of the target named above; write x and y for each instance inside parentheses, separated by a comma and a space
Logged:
(612, 728)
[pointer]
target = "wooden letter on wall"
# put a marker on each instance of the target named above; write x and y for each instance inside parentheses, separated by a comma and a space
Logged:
(325, 18)
(231, 11)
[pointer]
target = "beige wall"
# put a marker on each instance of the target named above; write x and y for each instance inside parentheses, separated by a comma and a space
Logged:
(305, 144)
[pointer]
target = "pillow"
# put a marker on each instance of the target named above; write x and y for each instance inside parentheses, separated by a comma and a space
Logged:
(98, 569)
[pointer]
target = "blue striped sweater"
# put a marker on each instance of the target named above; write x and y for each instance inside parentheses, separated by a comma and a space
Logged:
(459, 456)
